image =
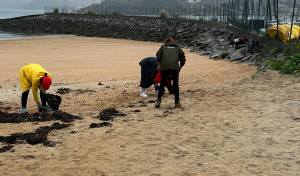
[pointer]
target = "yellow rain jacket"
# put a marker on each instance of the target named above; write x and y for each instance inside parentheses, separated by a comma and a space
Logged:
(30, 78)
(284, 32)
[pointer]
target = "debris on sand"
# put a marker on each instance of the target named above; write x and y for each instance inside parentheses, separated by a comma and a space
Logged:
(151, 101)
(7, 108)
(33, 138)
(78, 91)
(63, 91)
(36, 117)
(100, 84)
(137, 110)
(296, 119)
(81, 91)
(6, 148)
(98, 125)
(109, 114)
(49, 143)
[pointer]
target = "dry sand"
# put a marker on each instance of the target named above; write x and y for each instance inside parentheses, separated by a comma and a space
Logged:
(230, 123)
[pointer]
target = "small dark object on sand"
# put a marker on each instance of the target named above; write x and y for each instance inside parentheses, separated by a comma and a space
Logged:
(5, 148)
(109, 114)
(81, 91)
(151, 101)
(98, 125)
(137, 110)
(63, 90)
(7, 108)
(100, 84)
(49, 143)
(296, 119)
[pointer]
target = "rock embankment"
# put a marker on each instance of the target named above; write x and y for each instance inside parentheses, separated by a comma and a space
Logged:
(211, 39)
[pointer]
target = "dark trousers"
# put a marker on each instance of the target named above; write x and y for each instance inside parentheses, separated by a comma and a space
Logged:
(25, 98)
(175, 78)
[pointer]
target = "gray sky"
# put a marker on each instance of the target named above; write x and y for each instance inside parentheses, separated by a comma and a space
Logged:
(39, 4)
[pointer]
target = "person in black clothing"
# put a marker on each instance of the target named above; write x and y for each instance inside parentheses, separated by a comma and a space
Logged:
(250, 47)
(148, 72)
(168, 57)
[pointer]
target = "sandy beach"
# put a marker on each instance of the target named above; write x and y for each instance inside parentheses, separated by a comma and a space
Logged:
(231, 123)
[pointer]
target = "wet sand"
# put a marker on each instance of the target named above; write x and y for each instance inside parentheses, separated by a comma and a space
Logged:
(230, 123)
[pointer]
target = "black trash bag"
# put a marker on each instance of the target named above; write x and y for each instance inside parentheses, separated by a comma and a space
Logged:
(53, 101)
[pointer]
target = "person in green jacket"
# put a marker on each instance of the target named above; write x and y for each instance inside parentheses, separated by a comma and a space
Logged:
(36, 77)
(171, 59)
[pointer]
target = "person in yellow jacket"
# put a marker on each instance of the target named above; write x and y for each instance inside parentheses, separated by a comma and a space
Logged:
(36, 77)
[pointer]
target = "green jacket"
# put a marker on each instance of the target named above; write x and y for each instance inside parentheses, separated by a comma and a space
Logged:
(169, 57)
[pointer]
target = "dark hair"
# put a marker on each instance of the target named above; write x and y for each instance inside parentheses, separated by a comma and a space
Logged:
(168, 41)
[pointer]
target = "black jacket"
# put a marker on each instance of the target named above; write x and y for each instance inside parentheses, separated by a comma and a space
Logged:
(148, 71)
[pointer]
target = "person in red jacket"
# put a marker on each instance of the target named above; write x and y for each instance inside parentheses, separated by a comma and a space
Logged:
(157, 81)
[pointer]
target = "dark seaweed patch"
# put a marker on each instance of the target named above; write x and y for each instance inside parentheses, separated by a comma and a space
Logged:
(151, 101)
(81, 91)
(109, 114)
(98, 125)
(6, 148)
(36, 117)
(78, 91)
(33, 138)
(63, 91)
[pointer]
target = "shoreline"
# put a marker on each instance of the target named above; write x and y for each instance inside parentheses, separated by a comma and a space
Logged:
(5, 35)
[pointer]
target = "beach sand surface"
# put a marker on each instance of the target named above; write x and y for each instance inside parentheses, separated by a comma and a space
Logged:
(231, 122)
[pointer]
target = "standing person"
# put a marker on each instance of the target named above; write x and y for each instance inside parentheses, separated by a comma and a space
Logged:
(148, 72)
(168, 57)
(36, 77)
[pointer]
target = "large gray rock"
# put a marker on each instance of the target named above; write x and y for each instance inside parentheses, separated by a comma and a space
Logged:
(235, 55)
(217, 55)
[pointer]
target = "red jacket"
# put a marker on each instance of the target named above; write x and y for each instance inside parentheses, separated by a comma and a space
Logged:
(158, 77)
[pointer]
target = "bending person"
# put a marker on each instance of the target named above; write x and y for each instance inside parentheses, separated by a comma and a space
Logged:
(168, 57)
(148, 72)
(36, 77)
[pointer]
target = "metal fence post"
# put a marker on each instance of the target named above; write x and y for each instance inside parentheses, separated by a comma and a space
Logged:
(292, 19)
(195, 14)
(204, 13)
(189, 12)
